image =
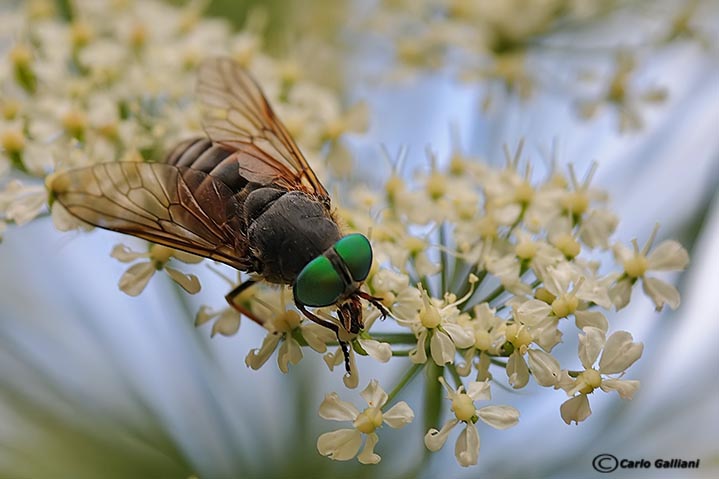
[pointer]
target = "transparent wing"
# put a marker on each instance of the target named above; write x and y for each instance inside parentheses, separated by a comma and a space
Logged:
(182, 208)
(237, 115)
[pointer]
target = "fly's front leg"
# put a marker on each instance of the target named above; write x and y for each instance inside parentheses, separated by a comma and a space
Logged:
(375, 301)
(329, 325)
(235, 293)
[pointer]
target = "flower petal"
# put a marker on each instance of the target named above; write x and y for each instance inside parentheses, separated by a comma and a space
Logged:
(479, 391)
(398, 415)
(532, 312)
(124, 254)
(316, 336)
(545, 367)
(351, 379)
(590, 345)
(466, 450)
(434, 439)
(227, 324)
(374, 394)
(597, 228)
(135, 279)
(204, 314)
(517, 370)
(188, 282)
(575, 409)
(333, 359)
(368, 456)
(625, 388)
(334, 409)
(441, 347)
(340, 445)
(669, 255)
(418, 355)
(596, 292)
(28, 206)
(64, 221)
(499, 417)
(290, 353)
(620, 352)
(461, 336)
(187, 257)
(382, 352)
(621, 293)
(594, 319)
(661, 293)
(257, 357)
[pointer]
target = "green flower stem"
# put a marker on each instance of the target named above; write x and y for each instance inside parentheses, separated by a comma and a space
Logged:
(416, 278)
(493, 295)
(443, 258)
(498, 362)
(64, 8)
(432, 395)
(516, 223)
(395, 338)
(455, 375)
(17, 163)
(411, 373)
(400, 354)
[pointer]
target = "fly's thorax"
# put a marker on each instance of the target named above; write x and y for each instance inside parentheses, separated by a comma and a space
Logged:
(286, 230)
(258, 201)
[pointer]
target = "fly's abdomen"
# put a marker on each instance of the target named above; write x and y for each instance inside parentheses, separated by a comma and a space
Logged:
(218, 163)
(203, 155)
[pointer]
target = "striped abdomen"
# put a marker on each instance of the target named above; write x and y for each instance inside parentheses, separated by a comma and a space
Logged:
(211, 158)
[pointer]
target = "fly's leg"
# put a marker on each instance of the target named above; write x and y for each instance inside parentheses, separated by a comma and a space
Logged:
(235, 293)
(375, 301)
(329, 325)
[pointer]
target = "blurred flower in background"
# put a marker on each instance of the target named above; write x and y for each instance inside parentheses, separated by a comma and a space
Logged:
(497, 261)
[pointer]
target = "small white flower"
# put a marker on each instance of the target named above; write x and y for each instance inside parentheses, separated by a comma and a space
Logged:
(467, 446)
(135, 279)
(344, 444)
(618, 352)
(401, 299)
(489, 337)
(227, 320)
(667, 256)
(508, 269)
(286, 330)
(22, 203)
(436, 323)
(534, 322)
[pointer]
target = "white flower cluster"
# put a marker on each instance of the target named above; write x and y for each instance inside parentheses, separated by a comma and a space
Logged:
(508, 42)
(484, 38)
(116, 82)
(486, 269)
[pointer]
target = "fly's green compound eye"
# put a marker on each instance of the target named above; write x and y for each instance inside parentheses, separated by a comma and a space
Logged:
(356, 252)
(318, 284)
